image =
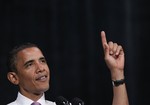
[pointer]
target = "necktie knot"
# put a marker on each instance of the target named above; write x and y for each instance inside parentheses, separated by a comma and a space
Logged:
(35, 103)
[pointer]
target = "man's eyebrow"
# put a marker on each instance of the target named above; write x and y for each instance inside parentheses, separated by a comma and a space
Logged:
(42, 58)
(28, 62)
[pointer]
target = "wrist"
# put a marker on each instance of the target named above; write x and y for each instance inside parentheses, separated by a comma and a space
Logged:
(117, 75)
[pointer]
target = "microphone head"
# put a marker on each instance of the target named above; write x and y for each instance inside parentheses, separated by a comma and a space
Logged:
(61, 101)
(77, 101)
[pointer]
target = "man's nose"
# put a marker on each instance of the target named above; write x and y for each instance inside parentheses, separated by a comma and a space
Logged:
(40, 67)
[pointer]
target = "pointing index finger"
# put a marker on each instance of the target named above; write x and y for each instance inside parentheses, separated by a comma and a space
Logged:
(103, 39)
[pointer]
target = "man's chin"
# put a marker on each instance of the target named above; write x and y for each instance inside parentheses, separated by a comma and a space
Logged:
(41, 92)
(45, 89)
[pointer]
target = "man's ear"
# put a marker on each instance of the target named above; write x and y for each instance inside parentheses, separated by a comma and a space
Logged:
(13, 78)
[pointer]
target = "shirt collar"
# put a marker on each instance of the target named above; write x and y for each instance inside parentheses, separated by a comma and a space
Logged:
(22, 100)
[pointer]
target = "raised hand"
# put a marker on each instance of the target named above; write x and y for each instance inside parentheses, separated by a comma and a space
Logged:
(114, 57)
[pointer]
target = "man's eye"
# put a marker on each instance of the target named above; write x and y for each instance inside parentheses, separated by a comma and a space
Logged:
(29, 64)
(43, 61)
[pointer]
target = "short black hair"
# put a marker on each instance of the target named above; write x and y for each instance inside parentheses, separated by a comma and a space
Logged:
(12, 55)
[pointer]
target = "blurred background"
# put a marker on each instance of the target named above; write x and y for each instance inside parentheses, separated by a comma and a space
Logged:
(68, 31)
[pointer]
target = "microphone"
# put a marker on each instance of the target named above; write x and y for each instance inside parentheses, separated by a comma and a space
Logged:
(77, 101)
(61, 101)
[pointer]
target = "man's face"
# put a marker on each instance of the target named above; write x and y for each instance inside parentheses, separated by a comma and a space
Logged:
(33, 71)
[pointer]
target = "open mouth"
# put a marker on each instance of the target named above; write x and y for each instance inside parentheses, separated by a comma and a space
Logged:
(42, 78)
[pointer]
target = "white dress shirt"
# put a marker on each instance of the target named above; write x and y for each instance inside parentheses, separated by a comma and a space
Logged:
(22, 100)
